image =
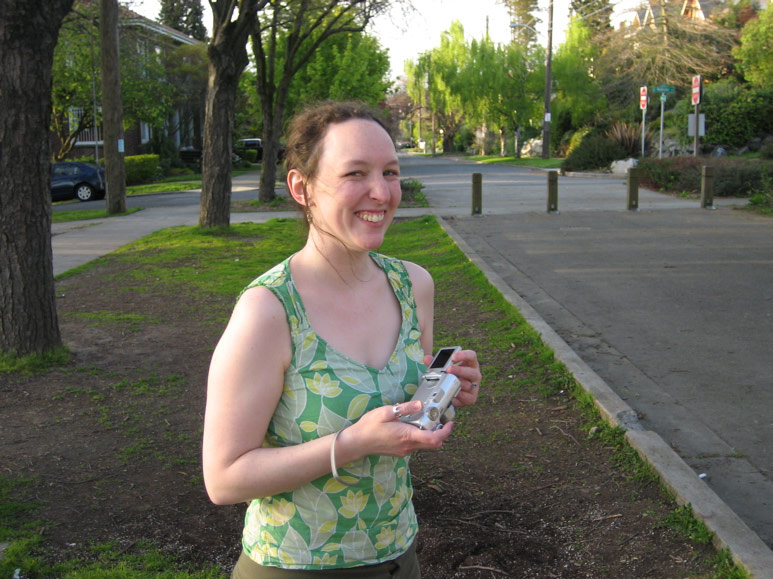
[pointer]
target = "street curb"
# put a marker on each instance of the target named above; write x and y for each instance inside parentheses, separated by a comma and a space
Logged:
(730, 532)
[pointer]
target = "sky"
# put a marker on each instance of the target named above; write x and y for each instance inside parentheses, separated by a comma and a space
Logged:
(407, 36)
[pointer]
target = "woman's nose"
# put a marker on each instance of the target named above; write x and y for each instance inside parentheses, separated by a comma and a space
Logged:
(380, 189)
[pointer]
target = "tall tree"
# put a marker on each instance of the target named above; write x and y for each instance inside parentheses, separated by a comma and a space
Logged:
(479, 83)
(447, 63)
(345, 66)
(112, 105)
(287, 34)
(146, 90)
(77, 78)
(186, 72)
(670, 50)
(523, 20)
(28, 35)
(756, 50)
(579, 98)
(184, 15)
(595, 14)
(233, 20)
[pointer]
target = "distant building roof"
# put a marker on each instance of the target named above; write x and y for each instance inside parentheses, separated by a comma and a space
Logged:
(130, 18)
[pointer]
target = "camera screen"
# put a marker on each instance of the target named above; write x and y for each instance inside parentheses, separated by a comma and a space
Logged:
(442, 358)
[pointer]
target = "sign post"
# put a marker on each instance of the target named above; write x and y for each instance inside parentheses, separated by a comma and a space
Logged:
(643, 106)
(697, 95)
(664, 90)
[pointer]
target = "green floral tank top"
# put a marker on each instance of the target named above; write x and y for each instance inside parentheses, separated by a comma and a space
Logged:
(324, 524)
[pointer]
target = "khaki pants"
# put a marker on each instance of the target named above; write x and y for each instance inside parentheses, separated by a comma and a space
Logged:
(406, 566)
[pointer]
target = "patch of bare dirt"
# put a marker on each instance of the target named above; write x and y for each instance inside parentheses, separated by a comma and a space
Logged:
(110, 445)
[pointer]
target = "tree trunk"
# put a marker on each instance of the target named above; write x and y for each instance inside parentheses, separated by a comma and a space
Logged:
(216, 149)
(28, 34)
(227, 58)
(112, 109)
(273, 115)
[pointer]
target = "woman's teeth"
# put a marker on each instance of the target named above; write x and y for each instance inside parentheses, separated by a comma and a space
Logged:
(372, 217)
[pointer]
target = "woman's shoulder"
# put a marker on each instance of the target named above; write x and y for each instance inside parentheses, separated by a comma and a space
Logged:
(275, 277)
(259, 302)
(264, 298)
(420, 278)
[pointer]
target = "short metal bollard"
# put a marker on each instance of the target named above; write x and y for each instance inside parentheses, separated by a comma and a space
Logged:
(707, 187)
(633, 189)
(553, 192)
(477, 194)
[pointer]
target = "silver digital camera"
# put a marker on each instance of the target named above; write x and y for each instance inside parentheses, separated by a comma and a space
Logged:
(436, 390)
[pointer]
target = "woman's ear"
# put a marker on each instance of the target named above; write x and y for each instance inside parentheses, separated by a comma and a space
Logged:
(296, 185)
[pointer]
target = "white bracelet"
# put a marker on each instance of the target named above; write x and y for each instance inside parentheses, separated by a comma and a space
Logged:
(333, 463)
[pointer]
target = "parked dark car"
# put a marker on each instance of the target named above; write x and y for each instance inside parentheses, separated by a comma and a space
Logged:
(251, 144)
(256, 144)
(76, 180)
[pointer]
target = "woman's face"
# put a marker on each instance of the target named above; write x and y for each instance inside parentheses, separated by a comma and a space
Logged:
(356, 191)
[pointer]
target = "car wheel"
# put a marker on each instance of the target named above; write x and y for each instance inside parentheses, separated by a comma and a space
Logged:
(84, 192)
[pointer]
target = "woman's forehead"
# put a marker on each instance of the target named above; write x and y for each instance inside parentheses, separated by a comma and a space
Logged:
(355, 137)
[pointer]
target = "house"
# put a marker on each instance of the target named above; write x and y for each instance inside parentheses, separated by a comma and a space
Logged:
(182, 125)
(650, 12)
(698, 9)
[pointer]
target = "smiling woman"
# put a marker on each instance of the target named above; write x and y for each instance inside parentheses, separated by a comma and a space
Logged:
(309, 380)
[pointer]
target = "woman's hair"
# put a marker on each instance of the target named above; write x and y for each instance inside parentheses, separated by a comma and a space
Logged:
(308, 129)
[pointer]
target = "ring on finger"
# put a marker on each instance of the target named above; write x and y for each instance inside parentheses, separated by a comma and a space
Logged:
(396, 410)
(473, 385)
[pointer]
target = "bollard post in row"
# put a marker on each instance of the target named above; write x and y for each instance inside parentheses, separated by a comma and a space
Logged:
(553, 192)
(477, 194)
(633, 189)
(707, 187)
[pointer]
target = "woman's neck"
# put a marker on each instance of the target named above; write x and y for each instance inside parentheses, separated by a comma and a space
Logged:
(328, 261)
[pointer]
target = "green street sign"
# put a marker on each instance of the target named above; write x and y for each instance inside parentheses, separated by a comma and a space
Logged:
(664, 88)
(663, 97)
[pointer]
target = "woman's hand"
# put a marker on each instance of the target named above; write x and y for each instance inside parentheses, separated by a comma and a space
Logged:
(381, 431)
(467, 369)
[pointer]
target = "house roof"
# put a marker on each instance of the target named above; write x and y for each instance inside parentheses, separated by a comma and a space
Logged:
(130, 18)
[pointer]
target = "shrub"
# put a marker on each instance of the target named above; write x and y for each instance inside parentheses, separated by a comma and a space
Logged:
(576, 138)
(732, 177)
(141, 169)
(89, 159)
(464, 140)
(766, 152)
(735, 114)
(250, 155)
(595, 151)
(628, 136)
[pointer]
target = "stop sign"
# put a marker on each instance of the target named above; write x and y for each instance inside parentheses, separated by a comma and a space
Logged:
(696, 89)
(643, 97)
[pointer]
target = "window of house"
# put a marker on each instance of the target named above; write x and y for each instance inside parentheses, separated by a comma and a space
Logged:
(88, 137)
(146, 132)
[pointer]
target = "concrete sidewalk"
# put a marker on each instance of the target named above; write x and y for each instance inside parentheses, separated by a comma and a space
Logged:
(663, 315)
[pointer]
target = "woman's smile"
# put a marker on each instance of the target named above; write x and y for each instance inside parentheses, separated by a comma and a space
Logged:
(371, 216)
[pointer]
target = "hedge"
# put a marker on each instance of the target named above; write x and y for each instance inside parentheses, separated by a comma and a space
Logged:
(250, 155)
(595, 151)
(732, 177)
(141, 169)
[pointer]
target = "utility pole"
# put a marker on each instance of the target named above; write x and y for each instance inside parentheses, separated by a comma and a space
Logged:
(548, 86)
(112, 109)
